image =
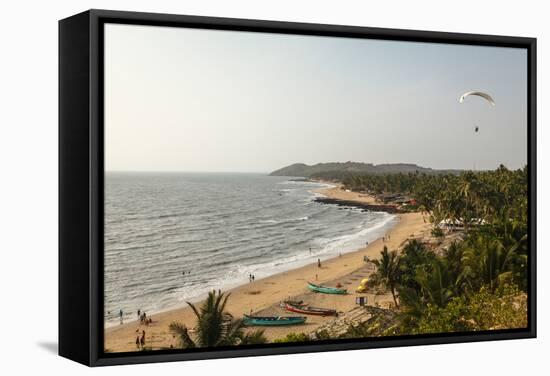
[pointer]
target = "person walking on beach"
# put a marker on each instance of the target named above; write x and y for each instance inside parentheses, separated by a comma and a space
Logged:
(139, 313)
(120, 314)
(318, 262)
(137, 342)
(253, 277)
(142, 339)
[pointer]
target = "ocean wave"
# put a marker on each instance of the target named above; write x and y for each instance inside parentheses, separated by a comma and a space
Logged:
(255, 230)
(309, 183)
(347, 242)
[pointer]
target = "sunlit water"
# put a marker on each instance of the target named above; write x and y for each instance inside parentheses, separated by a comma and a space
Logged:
(217, 229)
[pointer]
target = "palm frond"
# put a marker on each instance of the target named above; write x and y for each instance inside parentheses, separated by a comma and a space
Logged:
(180, 330)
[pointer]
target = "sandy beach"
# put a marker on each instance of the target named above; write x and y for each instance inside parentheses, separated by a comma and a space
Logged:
(264, 295)
(338, 192)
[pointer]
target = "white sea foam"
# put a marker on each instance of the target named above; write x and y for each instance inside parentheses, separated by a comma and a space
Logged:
(164, 261)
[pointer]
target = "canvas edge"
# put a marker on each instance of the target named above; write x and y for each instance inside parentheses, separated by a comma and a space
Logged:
(95, 18)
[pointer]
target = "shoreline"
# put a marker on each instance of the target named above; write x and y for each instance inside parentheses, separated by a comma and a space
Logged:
(264, 295)
(329, 190)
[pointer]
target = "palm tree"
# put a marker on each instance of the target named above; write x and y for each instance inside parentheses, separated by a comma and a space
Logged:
(453, 263)
(215, 327)
(388, 271)
(414, 255)
(412, 306)
(489, 262)
(436, 286)
(184, 338)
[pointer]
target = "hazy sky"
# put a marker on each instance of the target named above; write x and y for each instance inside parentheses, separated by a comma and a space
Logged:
(201, 100)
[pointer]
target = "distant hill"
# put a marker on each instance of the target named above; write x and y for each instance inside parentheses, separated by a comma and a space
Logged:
(337, 170)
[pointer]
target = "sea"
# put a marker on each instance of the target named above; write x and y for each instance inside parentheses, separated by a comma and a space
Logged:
(171, 237)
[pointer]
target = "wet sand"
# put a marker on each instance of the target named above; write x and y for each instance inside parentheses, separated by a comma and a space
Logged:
(264, 295)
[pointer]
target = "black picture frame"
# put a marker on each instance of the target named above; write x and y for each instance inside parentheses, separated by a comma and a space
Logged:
(81, 183)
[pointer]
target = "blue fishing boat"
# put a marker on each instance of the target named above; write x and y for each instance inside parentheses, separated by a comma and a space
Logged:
(326, 289)
(273, 320)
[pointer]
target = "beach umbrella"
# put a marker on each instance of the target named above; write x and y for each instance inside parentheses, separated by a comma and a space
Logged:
(481, 94)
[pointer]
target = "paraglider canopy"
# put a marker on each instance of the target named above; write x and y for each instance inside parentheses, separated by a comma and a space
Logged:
(479, 94)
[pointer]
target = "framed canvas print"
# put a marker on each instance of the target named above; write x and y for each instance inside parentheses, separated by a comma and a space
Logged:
(235, 187)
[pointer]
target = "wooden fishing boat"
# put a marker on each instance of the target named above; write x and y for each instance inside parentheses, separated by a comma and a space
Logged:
(326, 289)
(307, 310)
(273, 320)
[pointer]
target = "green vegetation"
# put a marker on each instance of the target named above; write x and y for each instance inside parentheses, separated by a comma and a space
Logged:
(475, 280)
(468, 197)
(215, 327)
(415, 258)
(388, 271)
(503, 308)
(293, 337)
(478, 282)
(341, 171)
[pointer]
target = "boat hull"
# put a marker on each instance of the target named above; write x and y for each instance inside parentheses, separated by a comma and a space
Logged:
(310, 310)
(273, 320)
(326, 290)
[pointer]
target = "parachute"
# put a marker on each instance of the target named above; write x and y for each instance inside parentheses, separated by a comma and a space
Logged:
(479, 94)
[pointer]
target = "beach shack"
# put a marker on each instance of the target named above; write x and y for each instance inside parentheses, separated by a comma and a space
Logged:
(458, 224)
